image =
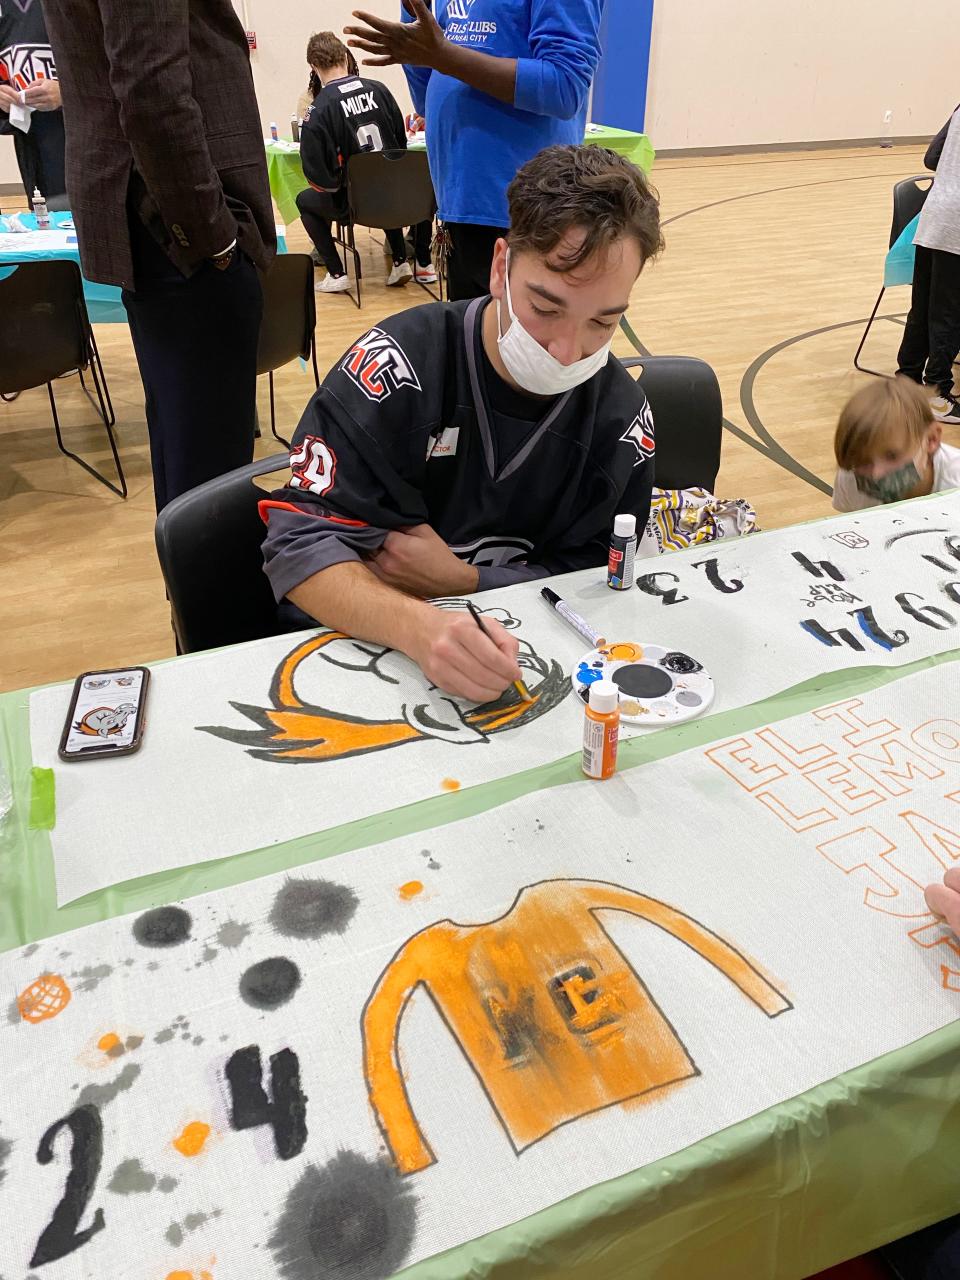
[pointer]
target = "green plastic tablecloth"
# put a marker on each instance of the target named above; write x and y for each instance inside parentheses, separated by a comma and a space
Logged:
(862, 1159)
(287, 181)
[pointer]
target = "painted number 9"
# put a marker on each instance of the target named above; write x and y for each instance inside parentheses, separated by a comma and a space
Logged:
(314, 465)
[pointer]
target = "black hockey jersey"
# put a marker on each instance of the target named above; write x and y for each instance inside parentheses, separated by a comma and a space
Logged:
(25, 53)
(404, 431)
(348, 115)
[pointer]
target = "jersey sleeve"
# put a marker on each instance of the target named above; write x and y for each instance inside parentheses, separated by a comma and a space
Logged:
(356, 465)
(319, 155)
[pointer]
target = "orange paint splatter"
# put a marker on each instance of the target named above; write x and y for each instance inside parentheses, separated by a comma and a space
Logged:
(191, 1141)
(410, 890)
(450, 784)
(189, 1275)
(44, 999)
(108, 1042)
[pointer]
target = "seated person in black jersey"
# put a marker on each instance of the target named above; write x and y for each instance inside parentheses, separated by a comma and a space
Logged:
(348, 114)
(461, 446)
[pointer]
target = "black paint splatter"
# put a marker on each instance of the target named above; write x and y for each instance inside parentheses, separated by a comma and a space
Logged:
(353, 1219)
(305, 908)
(162, 927)
(681, 663)
(270, 983)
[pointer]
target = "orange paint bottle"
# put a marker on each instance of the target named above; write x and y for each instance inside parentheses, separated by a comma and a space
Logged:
(601, 730)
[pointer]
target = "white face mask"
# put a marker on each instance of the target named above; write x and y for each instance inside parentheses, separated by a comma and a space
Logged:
(532, 366)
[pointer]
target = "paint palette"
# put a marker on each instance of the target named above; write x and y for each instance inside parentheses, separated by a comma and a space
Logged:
(657, 686)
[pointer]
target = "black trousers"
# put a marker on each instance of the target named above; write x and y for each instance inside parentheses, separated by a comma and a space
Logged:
(931, 339)
(196, 344)
(469, 258)
(40, 154)
(318, 209)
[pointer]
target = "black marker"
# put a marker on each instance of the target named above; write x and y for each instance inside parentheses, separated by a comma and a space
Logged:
(581, 625)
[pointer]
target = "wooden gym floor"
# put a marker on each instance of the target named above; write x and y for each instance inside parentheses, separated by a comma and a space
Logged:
(773, 262)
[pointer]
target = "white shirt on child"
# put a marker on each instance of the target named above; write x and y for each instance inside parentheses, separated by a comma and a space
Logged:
(946, 475)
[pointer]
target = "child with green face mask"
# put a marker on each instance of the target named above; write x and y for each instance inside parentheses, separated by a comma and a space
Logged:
(889, 446)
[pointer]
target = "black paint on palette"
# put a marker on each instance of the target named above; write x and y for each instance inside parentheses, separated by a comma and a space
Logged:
(352, 1219)
(305, 908)
(680, 663)
(641, 681)
(250, 1107)
(162, 927)
(270, 983)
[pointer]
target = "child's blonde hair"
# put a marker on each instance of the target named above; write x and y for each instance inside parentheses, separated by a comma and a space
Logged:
(886, 410)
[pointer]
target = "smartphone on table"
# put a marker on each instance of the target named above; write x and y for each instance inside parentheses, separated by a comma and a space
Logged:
(106, 716)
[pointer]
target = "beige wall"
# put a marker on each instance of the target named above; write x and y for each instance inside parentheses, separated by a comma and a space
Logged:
(279, 63)
(742, 72)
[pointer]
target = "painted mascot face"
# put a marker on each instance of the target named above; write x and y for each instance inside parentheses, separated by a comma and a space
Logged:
(387, 701)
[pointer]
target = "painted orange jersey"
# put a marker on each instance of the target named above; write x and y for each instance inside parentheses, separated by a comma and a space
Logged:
(552, 1017)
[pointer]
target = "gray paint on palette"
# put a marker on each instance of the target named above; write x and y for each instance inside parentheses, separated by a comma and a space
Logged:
(270, 983)
(232, 934)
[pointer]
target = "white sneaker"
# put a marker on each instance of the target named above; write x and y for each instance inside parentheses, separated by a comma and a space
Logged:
(424, 275)
(333, 284)
(400, 274)
(946, 408)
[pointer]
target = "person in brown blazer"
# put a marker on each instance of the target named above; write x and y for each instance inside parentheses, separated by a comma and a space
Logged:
(167, 180)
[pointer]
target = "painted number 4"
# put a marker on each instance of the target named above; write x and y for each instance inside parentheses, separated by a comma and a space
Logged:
(314, 464)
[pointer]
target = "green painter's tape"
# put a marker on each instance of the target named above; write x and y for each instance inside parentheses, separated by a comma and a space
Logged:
(43, 800)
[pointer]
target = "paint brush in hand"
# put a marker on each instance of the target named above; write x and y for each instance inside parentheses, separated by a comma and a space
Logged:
(520, 687)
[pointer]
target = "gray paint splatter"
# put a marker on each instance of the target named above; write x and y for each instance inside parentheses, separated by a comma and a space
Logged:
(232, 934)
(162, 927)
(198, 1039)
(117, 1051)
(5, 1149)
(353, 1219)
(163, 1036)
(33, 948)
(101, 1094)
(134, 1042)
(270, 983)
(167, 1184)
(153, 965)
(432, 863)
(130, 1178)
(91, 977)
(175, 1232)
(305, 908)
(13, 1012)
(209, 953)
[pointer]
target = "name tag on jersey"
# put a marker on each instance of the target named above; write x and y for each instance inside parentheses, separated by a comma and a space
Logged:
(445, 444)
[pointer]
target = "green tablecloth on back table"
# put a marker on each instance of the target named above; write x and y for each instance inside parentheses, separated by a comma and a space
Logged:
(287, 180)
(854, 1162)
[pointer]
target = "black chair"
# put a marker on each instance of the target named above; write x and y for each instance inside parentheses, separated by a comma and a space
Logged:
(208, 542)
(287, 331)
(46, 334)
(386, 189)
(908, 199)
(684, 395)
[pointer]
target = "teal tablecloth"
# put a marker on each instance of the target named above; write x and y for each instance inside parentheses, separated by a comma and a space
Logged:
(103, 300)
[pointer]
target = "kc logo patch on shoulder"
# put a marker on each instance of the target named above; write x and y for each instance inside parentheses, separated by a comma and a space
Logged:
(378, 365)
(640, 435)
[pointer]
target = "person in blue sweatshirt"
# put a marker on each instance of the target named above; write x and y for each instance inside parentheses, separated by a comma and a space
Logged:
(497, 81)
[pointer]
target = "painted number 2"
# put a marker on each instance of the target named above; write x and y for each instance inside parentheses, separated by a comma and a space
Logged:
(314, 464)
(61, 1236)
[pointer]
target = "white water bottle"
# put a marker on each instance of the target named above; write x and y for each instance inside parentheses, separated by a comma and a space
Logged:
(886, 132)
(40, 210)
